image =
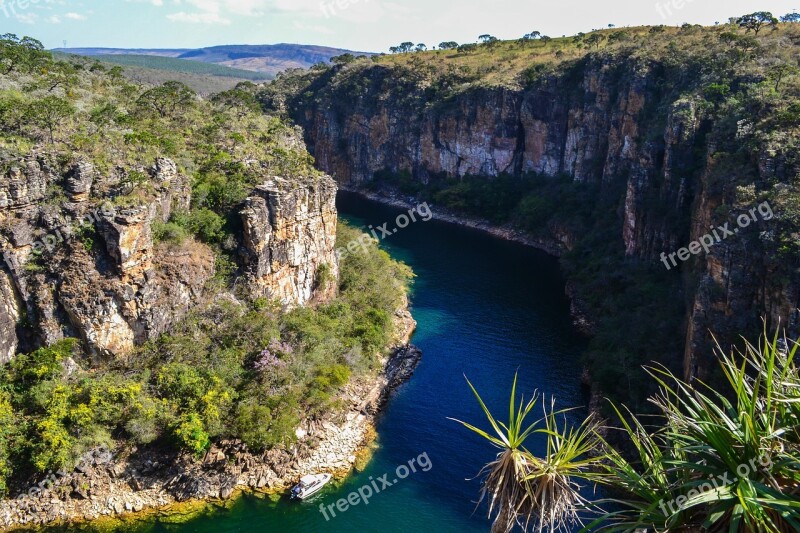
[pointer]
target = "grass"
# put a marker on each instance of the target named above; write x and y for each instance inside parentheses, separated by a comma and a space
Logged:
(505, 63)
(502, 63)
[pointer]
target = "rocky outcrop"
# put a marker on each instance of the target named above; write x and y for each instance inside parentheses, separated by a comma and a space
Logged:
(89, 267)
(9, 317)
(79, 180)
(552, 129)
(25, 183)
(290, 240)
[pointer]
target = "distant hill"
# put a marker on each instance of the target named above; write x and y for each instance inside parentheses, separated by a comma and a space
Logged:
(268, 59)
(163, 52)
(205, 78)
(173, 64)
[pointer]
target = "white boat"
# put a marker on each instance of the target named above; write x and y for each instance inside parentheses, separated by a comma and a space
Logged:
(310, 485)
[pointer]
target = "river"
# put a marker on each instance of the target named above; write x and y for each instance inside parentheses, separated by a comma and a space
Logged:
(486, 309)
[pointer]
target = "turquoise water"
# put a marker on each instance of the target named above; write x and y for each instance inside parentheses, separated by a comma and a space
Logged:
(486, 308)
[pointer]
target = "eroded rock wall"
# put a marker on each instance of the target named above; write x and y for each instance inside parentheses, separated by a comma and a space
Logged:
(80, 258)
(609, 124)
(290, 239)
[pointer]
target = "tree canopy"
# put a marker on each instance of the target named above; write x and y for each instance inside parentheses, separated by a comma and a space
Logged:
(755, 22)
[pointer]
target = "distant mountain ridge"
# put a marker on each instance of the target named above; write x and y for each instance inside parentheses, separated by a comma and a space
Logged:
(269, 58)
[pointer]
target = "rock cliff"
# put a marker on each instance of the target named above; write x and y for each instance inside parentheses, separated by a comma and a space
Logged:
(80, 259)
(289, 240)
(637, 132)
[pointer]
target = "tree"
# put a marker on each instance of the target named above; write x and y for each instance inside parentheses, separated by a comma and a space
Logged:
(344, 59)
(619, 36)
(546, 39)
(421, 47)
(103, 115)
(167, 99)
(448, 45)
(778, 73)
(21, 55)
(535, 34)
(406, 47)
(734, 40)
(59, 74)
(116, 73)
(241, 98)
(12, 112)
(394, 49)
(791, 17)
(717, 92)
(487, 39)
(468, 48)
(48, 112)
(755, 22)
(595, 39)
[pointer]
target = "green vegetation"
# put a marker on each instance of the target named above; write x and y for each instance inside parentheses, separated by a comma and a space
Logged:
(726, 459)
(522, 487)
(231, 369)
(204, 78)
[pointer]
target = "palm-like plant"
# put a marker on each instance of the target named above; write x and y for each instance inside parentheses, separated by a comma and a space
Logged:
(646, 484)
(521, 487)
(572, 454)
(723, 461)
(727, 460)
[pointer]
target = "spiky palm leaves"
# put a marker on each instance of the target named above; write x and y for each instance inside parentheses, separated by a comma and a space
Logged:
(727, 460)
(521, 487)
(722, 461)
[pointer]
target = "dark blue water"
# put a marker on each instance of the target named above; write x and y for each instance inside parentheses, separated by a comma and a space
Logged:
(486, 309)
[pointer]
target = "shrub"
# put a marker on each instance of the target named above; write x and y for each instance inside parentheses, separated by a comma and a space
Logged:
(253, 423)
(169, 232)
(8, 424)
(190, 434)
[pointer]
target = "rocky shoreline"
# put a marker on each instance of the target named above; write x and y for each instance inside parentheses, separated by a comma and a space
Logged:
(123, 483)
(555, 246)
(506, 232)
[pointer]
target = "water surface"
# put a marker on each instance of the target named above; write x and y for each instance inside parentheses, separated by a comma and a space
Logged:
(486, 309)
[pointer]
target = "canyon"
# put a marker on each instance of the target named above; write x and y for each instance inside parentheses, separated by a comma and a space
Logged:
(638, 133)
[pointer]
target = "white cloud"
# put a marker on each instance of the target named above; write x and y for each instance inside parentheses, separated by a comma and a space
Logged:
(199, 18)
(53, 19)
(74, 16)
(26, 18)
(256, 7)
(238, 7)
(315, 28)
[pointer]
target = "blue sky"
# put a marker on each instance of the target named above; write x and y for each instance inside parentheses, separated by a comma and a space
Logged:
(367, 25)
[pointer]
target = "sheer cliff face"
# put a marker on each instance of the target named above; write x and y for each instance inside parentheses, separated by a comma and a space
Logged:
(289, 239)
(606, 124)
(80, 259)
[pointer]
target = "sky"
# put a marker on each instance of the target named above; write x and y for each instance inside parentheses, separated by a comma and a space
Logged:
(362, 25)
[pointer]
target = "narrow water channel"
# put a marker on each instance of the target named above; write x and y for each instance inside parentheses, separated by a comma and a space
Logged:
(486, 309)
